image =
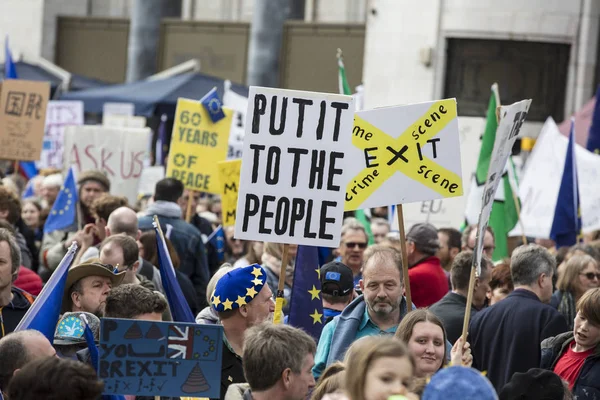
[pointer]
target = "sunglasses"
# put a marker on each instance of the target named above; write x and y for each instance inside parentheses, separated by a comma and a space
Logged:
(591, 276)
(351, 245)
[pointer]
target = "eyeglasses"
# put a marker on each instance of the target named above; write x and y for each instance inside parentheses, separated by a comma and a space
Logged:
(591, 276)
(351, 245)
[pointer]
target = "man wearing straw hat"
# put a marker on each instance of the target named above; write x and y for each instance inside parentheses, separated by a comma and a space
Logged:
(88, 285)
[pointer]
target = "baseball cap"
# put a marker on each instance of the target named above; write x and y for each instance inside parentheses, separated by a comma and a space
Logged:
(336, 279)
(425, 237)
(71, 326)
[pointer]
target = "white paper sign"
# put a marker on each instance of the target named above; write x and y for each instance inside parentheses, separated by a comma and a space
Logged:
(538, 190)
(404, 154)
(123, 121)
(511, 120)
(118, 109)
(150, 176)
(294, 167)
(239, 105)
(118, 152)
(59, 114)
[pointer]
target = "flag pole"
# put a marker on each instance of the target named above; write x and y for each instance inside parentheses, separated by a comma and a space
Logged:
(279, 299)
(188, 213)
(404, 257)
(16, 167)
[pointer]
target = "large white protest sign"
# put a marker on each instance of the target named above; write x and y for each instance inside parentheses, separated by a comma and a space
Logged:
(404, 154)
(294, 163)
(239, 105)
(59, 114)
(118, 152)
(118, 109)
(449, 212)
(538, 190)
(150, 176)
(511, 119)
(123, 121)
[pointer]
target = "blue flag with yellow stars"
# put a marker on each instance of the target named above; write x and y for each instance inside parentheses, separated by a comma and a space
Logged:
(566, 226)
(213, 105)
(306, 305)
(64, 211)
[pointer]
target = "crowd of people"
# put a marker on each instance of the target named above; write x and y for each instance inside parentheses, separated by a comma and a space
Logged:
(534, 328)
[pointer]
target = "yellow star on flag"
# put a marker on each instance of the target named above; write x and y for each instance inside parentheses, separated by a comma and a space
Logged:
(227, 304)
(318, 272)
(216, 301)
(251, 292)
(256, 281)
(256, 272)
(314, 293)
(316, 317)
(241, 301)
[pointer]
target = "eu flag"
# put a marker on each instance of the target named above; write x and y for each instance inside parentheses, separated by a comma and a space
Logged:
(44, 312)
(180, 309)
(213, 105)
(593, 141)
(306, 305)
(10, 71)
(64, 211)
(217, 240)
(28, 169)
(566, 227)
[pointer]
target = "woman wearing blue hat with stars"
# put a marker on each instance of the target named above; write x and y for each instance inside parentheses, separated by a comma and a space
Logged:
(242, 299)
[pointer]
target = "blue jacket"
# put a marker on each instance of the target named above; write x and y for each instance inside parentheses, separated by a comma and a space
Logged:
(352, 324)
(187, 241)
(587, 385)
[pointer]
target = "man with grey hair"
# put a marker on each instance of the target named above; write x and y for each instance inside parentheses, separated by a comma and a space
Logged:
(277, 363)
(14, 302)
(50, 187)
(506, 337)
(353, 243)
(378, 311)
(19, 348)
(428, 281)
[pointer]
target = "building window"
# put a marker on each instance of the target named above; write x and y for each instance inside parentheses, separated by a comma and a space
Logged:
(523, 70)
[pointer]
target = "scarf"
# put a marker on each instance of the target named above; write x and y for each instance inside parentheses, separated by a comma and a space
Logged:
(165, 209)
(567, 308)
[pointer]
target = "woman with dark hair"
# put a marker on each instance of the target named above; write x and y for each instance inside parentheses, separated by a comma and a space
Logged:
(501, 284)
(425, 336)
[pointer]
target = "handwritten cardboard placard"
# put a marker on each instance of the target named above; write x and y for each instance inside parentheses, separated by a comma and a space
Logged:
(229, 178)
(146, 358)
(197, 145)
(294, 167)
(22, 117)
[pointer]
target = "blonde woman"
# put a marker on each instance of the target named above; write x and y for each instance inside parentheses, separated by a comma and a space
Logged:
(580, 274)
(378, 367)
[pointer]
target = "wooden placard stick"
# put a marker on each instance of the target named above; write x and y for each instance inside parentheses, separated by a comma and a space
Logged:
(278, 319)
(188, 213)
(404, 257)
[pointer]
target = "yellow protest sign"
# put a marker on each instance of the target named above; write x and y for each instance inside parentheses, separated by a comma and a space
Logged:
(197, 145)
(422, 162)
(229, 180)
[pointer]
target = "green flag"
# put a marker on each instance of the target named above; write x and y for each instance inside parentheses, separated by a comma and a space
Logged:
(344, 88)
(504, 216)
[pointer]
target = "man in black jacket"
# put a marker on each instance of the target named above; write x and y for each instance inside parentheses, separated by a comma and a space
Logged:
(451, 308)
(506, 337)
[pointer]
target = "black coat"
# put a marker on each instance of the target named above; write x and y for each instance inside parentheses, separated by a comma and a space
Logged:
(232, 370)
(451, 310)
(505, 338)
(587, 385)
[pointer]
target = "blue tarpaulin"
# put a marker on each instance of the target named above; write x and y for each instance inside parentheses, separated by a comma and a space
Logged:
(155, 97)
(31, 72)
